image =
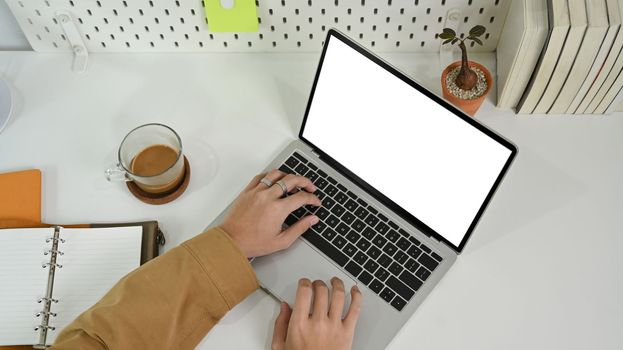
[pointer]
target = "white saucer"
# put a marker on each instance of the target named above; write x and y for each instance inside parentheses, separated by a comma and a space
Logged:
(6, 104)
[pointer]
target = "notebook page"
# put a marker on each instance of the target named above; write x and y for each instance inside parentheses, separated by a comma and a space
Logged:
(93, 261)
(23, 281)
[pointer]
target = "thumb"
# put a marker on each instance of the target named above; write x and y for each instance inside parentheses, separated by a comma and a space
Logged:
(281, 327)
(293, 232)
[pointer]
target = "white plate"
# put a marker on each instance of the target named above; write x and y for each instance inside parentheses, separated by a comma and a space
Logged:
(6, 104)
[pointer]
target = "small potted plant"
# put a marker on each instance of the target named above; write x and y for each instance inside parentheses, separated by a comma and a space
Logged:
(465, 83)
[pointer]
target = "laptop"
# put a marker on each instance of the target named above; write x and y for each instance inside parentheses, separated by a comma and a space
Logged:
(403, 177)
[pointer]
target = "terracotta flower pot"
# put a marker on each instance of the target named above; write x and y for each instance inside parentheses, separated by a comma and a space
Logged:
(468, 106)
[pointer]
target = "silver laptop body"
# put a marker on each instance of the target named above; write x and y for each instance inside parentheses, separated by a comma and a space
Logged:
(380, 319)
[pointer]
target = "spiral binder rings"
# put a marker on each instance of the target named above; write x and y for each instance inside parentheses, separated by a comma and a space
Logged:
(50, 275)
(47, 301)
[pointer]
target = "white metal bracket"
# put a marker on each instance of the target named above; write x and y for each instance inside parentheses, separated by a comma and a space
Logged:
(446, 51)
(81, 55)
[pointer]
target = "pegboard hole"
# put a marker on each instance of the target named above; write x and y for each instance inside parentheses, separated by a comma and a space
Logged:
(151, 43)
(99, 4)
(114, 11)
(105, 20)
(112, 36)
(376, 11)
(121, 29)
(397, 43)
(147, 29)
(103, 44)
(192, 12)
(21, 4)
(131, 20)
(422, 44)
(491, 19)
(63, 37)
(97, 29)
(482, 9)
(372, 44)
(46, 28)
(127, 44)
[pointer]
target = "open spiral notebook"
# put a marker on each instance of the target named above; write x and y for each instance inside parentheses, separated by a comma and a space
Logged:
(49, 276)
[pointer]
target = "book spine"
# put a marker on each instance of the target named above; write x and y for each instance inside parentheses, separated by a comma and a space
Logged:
(48, 300)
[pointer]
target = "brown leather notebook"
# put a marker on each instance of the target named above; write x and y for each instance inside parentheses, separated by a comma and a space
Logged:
(152, 239)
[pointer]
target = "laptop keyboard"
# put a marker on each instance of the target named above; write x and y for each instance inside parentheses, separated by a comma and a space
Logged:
(360, 239)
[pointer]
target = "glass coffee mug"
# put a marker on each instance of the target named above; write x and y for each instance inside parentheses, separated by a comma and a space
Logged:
(150, 156)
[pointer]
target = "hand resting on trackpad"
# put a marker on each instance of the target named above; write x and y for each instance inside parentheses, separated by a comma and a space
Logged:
(279, 273)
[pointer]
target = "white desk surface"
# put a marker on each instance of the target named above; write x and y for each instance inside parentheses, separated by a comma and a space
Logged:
(543, 269)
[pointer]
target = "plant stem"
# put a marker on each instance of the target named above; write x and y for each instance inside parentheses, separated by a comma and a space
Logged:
(467, 78)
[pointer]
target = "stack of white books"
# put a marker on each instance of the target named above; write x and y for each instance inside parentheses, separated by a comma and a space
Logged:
(573, 66)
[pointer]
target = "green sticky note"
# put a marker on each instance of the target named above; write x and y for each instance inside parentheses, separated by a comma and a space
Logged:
(231, 15)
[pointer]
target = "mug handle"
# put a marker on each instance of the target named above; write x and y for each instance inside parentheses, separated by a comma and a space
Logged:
(116, 173)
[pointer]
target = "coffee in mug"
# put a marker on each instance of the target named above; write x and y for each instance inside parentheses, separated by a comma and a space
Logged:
(150, 156)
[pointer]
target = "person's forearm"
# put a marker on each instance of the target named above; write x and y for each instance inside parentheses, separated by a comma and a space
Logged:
(170, 302)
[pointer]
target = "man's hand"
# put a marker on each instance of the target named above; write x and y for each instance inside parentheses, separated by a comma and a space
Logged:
(254, 222)
(321, 327)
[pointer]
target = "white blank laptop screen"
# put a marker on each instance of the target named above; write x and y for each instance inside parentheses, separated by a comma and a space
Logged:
(424, 158)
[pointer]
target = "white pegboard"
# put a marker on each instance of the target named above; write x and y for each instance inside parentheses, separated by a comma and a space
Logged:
(285, 25)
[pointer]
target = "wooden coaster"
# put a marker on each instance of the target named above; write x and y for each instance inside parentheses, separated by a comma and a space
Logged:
(162, 198)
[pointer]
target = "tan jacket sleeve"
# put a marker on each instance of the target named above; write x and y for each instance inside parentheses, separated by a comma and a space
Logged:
(169, 302)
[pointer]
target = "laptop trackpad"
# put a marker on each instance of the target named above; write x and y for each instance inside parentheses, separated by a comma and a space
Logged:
(279, 273)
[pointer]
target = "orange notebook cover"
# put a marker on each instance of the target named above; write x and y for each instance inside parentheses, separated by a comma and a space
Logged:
(20, 195)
